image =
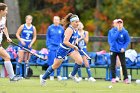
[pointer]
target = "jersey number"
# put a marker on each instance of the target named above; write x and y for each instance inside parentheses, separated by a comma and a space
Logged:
(27, 36)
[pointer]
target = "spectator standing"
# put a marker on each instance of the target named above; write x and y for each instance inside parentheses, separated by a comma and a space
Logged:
(118, 39)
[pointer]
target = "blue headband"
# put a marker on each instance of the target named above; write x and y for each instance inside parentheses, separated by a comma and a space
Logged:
(74, 19)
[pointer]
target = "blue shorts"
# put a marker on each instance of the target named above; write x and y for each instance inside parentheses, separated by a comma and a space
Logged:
(62, 52)
(81, 53)
(51, 57)
(26, 45)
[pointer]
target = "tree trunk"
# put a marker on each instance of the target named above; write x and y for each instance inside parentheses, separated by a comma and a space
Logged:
(13, 17)
(97, 30)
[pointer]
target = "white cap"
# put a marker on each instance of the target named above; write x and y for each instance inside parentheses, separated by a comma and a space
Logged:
(120, 20)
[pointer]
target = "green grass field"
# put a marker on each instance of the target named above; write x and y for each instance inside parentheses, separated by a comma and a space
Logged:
(32, 85)
(68, 86)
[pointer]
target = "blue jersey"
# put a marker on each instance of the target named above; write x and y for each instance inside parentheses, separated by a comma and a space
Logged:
(65, 50)
(82, 44)
(54, 36)
(118, 39)
(73, 37)
(27, 33)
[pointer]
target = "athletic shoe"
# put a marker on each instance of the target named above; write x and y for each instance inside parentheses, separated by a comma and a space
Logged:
(91, 79)
(74, 78)
(80, 78)
(51, 77)
(113, 80)
(42, 81)
(126, 81)
(15, 78)
(117, 79)
(59, 78)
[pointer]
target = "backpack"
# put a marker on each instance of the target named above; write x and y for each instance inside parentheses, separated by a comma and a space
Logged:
(138, 61)
(100, 59)
(129, 62)
(30, 72)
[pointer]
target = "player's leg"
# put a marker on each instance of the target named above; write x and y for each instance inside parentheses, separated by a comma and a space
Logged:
(19, 63)
(59, 73)
(118, 64)
(79, 69)
(26, 66)
(86, 62)
(56, 64)
(80, 74)
(51, 57)
(112, 67)
(78, 62)
(8, 65)
(124, 69)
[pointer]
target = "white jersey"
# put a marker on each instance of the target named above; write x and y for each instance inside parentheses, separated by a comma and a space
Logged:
(2, 26)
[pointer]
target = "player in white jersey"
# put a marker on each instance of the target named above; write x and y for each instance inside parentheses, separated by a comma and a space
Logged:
(3, 53)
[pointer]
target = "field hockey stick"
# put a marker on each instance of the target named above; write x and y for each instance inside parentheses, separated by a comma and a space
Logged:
(35, 54)
(121, 73)
(83, 52)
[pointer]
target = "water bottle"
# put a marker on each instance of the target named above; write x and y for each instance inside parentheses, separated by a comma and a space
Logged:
(129, 78)
(138, 81)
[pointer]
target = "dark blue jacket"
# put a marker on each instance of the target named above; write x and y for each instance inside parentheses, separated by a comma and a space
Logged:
(54, 36)
(118, 39)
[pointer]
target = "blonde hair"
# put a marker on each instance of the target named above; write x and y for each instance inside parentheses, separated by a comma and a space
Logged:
(29, 16)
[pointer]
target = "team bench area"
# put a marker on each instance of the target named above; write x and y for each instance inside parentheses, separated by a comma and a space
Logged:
(97, 61)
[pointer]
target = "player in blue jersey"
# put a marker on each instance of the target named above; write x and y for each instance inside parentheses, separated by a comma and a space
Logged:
(54, 37)
(26, 35)
(82, 43)
(67, 47)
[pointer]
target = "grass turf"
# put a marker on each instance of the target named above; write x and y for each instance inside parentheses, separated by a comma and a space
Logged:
(68, 86)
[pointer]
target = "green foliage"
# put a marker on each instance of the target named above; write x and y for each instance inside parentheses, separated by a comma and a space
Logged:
(24, 9)
(90, 14)
(1, 0)
(128, 10)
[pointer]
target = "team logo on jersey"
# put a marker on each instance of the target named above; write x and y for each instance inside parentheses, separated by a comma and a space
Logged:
(59, 31)
(121, 35)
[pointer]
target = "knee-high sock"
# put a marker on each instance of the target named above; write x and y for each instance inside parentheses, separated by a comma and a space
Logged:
(88, 72)
(9, 69)
(18, 68)
(75, 69)
(79, 72)
(118, 71)
(21, 70)
(47, 73)
(52, 74)
(26, 68)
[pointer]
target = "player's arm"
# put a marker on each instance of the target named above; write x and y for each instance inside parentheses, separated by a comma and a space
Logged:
(34, 37)
(18, 34)
(6, 34)
(68, 34)
(48, 38)
(86, 39)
